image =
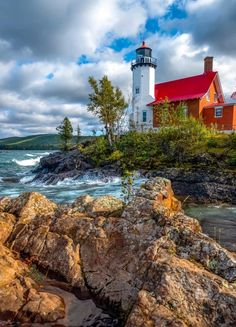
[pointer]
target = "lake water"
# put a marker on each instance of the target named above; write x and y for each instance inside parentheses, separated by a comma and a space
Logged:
(16, 176)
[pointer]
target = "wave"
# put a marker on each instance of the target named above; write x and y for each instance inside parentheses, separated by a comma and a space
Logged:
(27, 162)
(85, 180)
(26, 179)
(37, 154)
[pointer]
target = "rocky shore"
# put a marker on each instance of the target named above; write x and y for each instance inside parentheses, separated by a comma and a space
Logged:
(192, 185)
(59, 165)
(142, 264)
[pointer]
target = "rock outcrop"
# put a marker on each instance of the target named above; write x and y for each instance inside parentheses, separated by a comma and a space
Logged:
(200, 185)
(147, 263)
(58, 166)
(21, 299)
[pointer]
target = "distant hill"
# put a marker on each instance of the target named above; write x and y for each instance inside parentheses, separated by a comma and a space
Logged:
(35, 142)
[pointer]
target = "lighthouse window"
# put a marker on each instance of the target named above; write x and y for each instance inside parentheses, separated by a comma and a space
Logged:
(144, 116)
(218, 112)
(137, 90)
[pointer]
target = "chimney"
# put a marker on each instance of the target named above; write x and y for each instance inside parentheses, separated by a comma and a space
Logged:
(208, 64)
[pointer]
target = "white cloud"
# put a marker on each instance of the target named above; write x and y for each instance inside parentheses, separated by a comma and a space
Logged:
(194, 5)
(41, 37)
(158, 7)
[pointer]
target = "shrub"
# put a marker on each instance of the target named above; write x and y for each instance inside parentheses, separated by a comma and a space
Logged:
(232, 159)
(178, 143)
(98, 150)
(232, 141)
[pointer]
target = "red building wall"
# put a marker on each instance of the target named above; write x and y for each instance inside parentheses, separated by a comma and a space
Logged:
(226, 122)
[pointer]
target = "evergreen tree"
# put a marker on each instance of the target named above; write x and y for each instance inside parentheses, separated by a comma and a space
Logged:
(65, 131)
(78, 135)
(108, 104)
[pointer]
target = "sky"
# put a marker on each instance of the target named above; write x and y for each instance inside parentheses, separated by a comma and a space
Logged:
(49, 48)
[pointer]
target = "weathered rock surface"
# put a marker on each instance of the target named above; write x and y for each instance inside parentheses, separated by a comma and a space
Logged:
(146, 262)
(20, 299)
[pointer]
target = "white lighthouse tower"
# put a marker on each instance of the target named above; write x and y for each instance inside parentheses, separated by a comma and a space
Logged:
(144, 72)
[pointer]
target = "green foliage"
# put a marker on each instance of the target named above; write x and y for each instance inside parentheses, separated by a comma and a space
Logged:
(232, 141)
(138, 148)
(36, 275)
(65, 131)
(168, 115)
(232, 159)
(115, 156)
(98, 151)
(178, 142)
(127, 185)
(108, 104)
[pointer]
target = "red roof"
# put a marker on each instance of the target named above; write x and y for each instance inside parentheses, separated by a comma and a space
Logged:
(193, 87)
(144, 45)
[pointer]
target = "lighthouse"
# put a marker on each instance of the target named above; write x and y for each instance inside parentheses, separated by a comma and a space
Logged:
(143, 90)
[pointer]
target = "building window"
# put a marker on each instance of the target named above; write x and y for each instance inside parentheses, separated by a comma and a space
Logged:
(208, 96)
(144, 116)
(218, 112)
(215, 98)
(137, 90)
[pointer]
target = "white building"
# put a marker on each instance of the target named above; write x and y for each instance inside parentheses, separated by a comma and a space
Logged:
(143, 91)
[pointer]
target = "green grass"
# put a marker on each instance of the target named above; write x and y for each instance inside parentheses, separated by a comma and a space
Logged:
(35, 142)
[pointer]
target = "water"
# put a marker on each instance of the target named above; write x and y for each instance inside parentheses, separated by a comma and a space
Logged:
(16, 176)
(219, 222)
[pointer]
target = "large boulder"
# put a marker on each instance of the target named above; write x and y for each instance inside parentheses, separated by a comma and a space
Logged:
(20, 299)
(29, 205)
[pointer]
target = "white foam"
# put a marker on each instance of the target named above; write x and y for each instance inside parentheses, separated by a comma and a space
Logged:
(26, 179)
(35, 154)
(27, 162)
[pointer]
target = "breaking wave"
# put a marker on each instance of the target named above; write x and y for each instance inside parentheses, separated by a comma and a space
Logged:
(27, 162)
(26, 179)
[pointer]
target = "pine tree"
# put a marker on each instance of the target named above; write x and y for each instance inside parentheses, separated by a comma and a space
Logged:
(78, 135)
(65, 131)
(108, 104)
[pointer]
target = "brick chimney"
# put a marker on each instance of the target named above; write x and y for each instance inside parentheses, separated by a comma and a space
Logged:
(208, 64)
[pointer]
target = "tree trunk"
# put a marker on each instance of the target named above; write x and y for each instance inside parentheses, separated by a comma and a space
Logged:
(109, 136)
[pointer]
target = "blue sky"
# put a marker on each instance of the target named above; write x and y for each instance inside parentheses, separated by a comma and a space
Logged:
(49, 48)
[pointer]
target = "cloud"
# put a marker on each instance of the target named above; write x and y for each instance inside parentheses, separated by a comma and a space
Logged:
(212, 23)
(41, 42)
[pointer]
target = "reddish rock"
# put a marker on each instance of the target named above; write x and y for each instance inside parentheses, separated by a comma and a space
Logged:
(150, 264)
(20, 300)
(29, 205)
(7, 222)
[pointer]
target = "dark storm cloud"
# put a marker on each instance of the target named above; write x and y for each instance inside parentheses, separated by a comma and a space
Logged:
(41, 27)
(215, 25)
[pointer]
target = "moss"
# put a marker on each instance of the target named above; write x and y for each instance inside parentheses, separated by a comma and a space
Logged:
(36, 275)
